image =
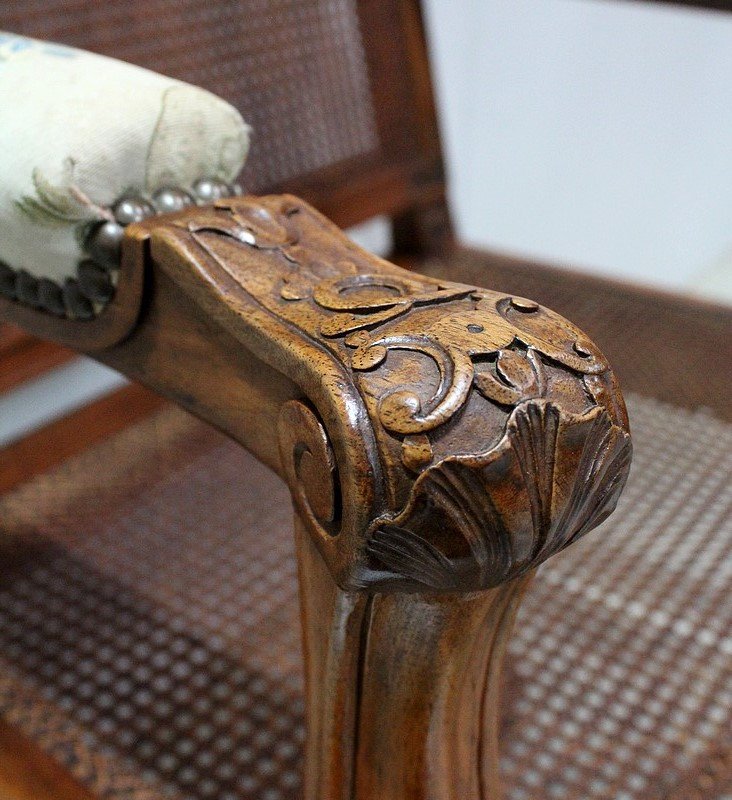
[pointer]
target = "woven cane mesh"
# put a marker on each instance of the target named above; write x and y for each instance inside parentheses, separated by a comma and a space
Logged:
(157, 627)
(149, 625)
(296, 69)
(621, 662)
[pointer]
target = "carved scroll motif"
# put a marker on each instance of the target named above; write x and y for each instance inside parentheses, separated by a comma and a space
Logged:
(495, 434)
(453, 341)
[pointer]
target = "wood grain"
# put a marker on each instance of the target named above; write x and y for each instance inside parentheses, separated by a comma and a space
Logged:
(23, 357)
(402, 689)
(439, 441)
(417, 385)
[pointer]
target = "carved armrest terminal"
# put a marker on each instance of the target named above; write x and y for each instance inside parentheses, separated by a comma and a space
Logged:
(440, 441)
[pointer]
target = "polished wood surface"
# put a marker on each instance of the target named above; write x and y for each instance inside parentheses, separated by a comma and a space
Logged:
(652, 337)
(23, 357)
(439, 441)
(398, 384)
(402, 689)
(373, 58)
(27, 773)
(171, 528)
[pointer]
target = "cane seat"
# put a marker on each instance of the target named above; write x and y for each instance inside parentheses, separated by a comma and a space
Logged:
(149, 621)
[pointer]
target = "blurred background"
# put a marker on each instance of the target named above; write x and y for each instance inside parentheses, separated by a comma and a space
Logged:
(587, 133)
(592, 132)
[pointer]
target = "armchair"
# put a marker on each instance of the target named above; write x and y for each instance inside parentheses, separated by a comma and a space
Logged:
(439, 441)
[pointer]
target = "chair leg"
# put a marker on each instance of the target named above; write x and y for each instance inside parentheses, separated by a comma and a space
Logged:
(402, 689)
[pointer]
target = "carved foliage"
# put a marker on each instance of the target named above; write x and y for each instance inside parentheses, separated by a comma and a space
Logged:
(498, 434)
(454, 339)
(553, 477)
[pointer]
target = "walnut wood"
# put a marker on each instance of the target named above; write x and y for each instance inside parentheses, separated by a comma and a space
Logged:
(27, 773)
(403, 177)
(430, 676)
(438, 439)
(467, 435)
(646, 333)
(424, 230)
(402, 689)
(409, 509)
(55, 443)
(23, 357)
(400, 173)
(333, 624)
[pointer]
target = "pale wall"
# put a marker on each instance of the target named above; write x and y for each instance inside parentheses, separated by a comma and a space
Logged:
(590, 131)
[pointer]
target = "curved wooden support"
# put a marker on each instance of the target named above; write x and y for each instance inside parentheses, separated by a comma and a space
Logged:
(439, 440)
(402, 688)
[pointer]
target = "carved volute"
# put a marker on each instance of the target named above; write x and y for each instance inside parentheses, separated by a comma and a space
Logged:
(444, 437)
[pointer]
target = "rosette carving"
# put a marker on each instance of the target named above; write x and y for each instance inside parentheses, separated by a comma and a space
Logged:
(448, 437)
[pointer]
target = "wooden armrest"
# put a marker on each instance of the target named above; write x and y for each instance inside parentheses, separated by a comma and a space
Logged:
(438, 439)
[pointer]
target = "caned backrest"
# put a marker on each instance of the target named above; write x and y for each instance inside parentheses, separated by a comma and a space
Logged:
(337, 91)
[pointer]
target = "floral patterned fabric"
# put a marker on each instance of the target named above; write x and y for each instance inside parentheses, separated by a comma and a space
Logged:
(80, 130)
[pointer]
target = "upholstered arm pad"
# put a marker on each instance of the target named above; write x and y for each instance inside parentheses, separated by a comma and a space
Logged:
(80, 133)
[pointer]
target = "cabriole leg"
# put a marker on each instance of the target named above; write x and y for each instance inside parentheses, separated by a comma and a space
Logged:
(402, 689)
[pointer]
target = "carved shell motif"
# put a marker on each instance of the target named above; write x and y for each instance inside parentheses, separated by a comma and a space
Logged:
(553, 477)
